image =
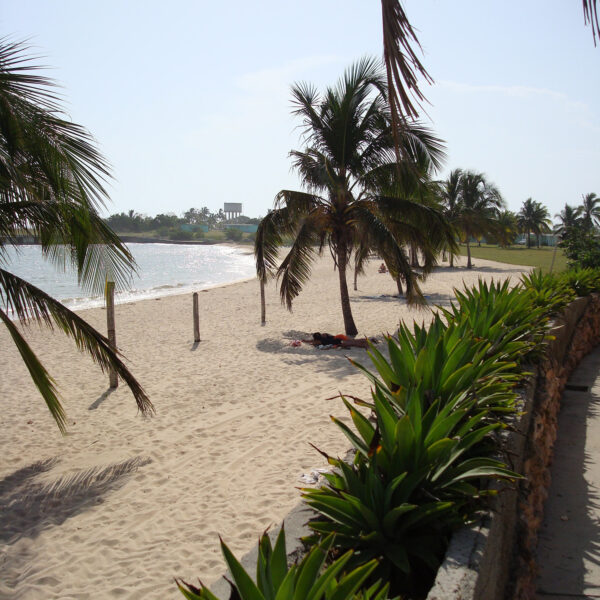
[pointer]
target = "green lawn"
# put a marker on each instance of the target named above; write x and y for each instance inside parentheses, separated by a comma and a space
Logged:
(520, 255)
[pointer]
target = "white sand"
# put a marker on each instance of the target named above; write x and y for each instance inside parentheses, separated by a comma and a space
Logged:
(123, 504)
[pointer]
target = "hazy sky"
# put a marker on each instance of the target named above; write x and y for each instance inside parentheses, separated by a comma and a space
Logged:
(189, 100)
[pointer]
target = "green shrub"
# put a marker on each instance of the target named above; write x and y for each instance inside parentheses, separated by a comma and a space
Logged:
(308, 580)
(180, 235)
(233, 234)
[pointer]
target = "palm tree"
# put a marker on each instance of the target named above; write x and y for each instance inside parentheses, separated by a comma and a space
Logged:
(449, 192)
(51, 187)
(533, 218)
(357, 195)
(570, 219)
(477, 209)
(507, 229)
(590, 211)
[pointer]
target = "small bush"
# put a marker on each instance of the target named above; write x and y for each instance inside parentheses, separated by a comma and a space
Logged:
(233, 234)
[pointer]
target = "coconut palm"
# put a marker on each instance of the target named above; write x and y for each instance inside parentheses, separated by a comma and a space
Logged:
(51, 186)
(477, 209)
(507, 228)
(357, 195)
(569, 219)
(533, 218)
(449, 192)
(590, 211)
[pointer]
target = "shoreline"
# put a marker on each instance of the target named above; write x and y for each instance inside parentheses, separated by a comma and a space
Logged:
(131, 502)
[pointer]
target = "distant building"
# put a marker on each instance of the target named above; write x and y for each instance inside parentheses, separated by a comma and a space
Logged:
(232, 210)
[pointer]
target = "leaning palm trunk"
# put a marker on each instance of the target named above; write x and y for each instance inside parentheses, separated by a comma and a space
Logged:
(349, 325)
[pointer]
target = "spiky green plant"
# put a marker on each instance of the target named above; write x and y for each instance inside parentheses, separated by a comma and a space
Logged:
(582, 281)
(509, 318)
(414, 480)
(549, 291)
(308, 580)
(445, 362)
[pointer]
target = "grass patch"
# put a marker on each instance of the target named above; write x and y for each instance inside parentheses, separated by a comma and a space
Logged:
(519, 255)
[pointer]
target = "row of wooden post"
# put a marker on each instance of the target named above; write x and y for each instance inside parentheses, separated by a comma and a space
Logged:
(112, 334)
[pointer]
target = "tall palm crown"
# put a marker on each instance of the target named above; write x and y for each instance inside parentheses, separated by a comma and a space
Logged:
(449, 193)
(569, 219)
(474, 204)
(590, 210)
(533, 218)
(51, 187)
(357, 196)
(507, 229)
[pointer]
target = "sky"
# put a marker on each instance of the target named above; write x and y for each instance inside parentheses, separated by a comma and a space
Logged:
(189, 100)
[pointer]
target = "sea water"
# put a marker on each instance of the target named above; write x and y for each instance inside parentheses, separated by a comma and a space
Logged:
(162, 270)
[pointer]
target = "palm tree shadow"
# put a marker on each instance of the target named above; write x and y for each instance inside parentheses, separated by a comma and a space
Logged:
(568, 551)
(30, 506)
(96, 403)
(331, 360)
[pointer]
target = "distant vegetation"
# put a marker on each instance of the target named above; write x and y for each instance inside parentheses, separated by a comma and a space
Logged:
(195, 224)
(520, 255)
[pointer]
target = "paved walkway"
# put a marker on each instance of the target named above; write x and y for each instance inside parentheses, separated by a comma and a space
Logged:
(569, 541)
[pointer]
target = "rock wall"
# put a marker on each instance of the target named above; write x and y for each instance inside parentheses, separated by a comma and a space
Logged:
(495, 559)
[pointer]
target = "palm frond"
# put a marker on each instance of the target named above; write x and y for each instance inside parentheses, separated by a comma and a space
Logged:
(41, 378)
(29, 303)
(590, 15)
(294, 271)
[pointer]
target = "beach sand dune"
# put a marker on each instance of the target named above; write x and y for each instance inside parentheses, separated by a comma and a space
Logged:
(123, 504)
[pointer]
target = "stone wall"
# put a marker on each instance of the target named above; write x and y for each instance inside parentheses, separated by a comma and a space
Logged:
(495, 559)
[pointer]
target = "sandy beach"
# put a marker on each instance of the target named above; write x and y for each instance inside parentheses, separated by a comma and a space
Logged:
(123, 504)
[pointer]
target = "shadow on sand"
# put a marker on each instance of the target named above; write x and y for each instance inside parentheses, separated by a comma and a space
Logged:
(96, 403)
(30, 506)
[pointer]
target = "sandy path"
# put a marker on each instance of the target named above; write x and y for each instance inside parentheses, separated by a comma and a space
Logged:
(123, 504)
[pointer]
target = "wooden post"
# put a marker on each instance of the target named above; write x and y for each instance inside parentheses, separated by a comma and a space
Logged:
(196, 319)
(263, 308)
(110, 325)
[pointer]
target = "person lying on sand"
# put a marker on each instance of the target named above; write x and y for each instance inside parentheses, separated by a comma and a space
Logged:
(326, 339)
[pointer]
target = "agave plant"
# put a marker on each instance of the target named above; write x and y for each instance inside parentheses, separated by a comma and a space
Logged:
(445, 362)
(413, 481)
(307, 580)
(509, 318)
(547, 290)
(582, 281)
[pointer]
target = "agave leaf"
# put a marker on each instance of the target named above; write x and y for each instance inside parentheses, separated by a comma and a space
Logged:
(391, 518)
(358, 443)
(362, 424)
(310, 567)
(350, 583)
(279, 560)
(327, 578)
(246, 587)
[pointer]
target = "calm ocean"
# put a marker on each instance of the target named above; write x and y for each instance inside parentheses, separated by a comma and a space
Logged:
(163, 270)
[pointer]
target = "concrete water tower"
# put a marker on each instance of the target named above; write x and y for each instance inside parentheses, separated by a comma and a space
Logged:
(232, 210)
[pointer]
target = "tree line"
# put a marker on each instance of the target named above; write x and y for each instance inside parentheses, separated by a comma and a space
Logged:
(134, 222)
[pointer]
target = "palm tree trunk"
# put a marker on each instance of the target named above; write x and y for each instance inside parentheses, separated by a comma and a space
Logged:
(528, 240)
(263, 308)
(451, 260)
(355, 279)
(399, 284)
(469, 265)
(349, 325)
(414, 259)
